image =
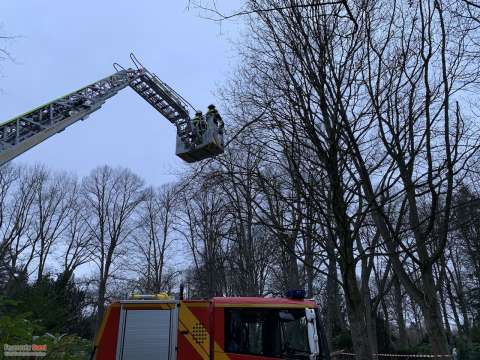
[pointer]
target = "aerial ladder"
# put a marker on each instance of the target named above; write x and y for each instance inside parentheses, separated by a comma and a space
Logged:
(193, 143)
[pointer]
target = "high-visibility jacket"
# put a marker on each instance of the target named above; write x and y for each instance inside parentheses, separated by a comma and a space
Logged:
(217, 119)
(196, 121)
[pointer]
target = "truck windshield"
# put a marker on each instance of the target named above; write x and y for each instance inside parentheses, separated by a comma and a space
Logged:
(280, 333)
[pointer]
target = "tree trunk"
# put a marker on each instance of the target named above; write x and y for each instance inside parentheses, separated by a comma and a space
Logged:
(360, 340)
(398, 303)
(370, 320)
(309, 264)
(292, 276)
(356, 312)
(443, 302)
(433, 317)
(458, 283)
(333, 316)
(388, 331)
(100, 303)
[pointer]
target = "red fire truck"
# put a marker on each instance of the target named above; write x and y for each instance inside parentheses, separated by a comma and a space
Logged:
(221, 328)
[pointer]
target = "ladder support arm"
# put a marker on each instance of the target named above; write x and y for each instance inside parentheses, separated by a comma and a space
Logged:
(29, 129)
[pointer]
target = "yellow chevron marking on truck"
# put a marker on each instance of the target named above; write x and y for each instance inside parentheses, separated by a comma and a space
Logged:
(103, 324)
(194, 331)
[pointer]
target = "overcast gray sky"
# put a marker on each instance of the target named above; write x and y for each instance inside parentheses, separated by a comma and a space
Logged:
(64, 45)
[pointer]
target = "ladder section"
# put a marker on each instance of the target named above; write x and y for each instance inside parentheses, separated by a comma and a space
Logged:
(29, 129)
(161, 96)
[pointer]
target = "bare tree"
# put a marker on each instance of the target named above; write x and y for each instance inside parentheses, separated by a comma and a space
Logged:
(77, 248)
(250, 242)
(288, 73)
(19, 219)
(111, 197)
(51, 207)
(414, 80)
(153, 239)
(8, 176)
(203, 226)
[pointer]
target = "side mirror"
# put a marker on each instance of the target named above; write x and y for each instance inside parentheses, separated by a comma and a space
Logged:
(312, 333)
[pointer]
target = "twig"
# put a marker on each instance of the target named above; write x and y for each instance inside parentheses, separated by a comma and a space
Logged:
(222, 17)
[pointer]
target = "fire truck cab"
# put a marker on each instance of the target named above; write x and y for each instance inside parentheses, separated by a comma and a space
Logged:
(221, 328)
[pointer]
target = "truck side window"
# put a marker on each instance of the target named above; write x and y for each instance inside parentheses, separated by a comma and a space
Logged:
(244, 331)
(266, 332)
